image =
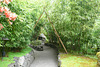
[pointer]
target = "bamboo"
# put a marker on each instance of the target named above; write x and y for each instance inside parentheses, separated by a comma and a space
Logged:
(53, 28)
(38, 19)
(56, 33)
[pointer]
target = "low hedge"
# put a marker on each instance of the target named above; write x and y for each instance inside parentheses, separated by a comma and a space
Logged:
(36, 42)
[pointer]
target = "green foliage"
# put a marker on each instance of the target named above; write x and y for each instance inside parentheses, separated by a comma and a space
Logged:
(36, 42)
(20, 31)
(75, 21)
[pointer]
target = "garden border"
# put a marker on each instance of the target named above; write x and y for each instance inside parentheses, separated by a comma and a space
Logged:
(24, 61)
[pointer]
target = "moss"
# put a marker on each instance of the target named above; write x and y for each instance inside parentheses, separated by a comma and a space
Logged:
(70, 60)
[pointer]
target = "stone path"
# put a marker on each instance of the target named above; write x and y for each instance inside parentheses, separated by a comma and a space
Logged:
(45, 58)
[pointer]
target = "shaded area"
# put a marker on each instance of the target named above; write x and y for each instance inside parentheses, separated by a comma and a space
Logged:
(45, 58)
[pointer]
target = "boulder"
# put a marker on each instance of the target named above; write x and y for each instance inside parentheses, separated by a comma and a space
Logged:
(98, 55)
(11, 65)
(21, 61)
(98, 61)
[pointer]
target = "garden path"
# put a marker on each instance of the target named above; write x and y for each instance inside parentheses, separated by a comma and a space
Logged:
(45, 58)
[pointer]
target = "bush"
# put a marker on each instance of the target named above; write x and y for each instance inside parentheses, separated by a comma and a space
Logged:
(36, 42)
(19, 33)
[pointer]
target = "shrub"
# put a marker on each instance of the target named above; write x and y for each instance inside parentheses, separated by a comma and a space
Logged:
(18, 31)
(36, 42)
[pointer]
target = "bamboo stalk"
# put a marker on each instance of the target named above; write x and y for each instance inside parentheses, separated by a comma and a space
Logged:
(56, 33)
(38, 19)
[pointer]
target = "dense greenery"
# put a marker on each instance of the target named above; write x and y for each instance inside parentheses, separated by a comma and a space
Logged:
(20, 31)
(76, 21)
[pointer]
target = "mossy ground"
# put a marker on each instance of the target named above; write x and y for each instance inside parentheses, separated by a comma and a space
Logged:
(70, 60)
(7, 60)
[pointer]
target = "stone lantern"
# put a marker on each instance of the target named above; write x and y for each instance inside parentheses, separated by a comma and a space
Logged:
(3, 49)
(42, 37)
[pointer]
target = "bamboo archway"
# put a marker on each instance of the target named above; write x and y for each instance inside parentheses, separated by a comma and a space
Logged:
(53, 28)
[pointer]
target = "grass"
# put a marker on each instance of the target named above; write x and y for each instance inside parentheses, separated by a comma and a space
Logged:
(8, 60)
(70, 60)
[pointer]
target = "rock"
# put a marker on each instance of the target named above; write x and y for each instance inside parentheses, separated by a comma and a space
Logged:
(59, 63)
(98, 62)
(11, 65)
(31, 46)
(21, 61)
(58, 57)
(16, 59)
(98, 55)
